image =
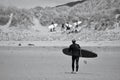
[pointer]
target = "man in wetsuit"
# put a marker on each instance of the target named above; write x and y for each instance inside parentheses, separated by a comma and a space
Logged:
(75, 49)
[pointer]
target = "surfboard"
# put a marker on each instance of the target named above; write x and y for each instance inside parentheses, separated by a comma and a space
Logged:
(85, 53)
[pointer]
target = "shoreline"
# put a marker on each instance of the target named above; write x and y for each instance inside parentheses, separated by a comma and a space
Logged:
(59, 43)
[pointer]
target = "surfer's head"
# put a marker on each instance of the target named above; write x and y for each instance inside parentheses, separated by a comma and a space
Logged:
(73, 41)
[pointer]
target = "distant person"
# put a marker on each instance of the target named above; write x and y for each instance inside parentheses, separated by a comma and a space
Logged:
(75, 49)
(52, 27)
(67, 26)
(63, 27)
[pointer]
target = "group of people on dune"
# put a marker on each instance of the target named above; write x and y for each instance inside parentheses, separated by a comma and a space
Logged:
(74, 27)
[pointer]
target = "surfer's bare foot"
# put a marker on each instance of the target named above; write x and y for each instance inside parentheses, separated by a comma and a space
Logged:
(72, 72)
(76, 72)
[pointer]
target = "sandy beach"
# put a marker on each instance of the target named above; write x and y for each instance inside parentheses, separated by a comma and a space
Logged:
(33, 34)
(49, 63)
(59, 43)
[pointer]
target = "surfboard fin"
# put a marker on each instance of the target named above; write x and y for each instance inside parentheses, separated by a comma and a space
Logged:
(85, 61)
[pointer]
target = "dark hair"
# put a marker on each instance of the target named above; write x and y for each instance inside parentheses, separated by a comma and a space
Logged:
(52, 23)
(73, 41)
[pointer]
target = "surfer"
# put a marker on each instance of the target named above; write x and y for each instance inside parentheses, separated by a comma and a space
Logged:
(75, 49)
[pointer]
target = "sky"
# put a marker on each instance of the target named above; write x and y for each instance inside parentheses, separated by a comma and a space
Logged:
(33, 3)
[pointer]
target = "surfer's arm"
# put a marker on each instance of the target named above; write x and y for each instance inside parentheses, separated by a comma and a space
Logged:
(69, 49)
(80, 51)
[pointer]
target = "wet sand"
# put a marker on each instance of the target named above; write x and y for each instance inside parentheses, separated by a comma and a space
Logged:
(59, 43)
(49, 63)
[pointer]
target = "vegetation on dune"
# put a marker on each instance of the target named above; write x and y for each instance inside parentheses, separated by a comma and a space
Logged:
(21, 17)
(97, 15)
(86, 9)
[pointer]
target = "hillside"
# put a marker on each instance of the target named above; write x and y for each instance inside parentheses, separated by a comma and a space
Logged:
(71, 4)
(21, 17)
(99, 21)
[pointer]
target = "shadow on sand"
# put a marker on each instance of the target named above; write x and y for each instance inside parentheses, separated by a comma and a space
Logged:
(82, 73)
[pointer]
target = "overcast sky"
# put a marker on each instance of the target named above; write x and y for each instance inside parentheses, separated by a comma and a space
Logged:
(33, 3)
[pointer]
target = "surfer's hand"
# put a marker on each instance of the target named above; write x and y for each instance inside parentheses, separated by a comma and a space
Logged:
(85, 61)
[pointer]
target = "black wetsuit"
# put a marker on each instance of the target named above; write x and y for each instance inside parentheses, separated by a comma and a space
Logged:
(75, 49)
